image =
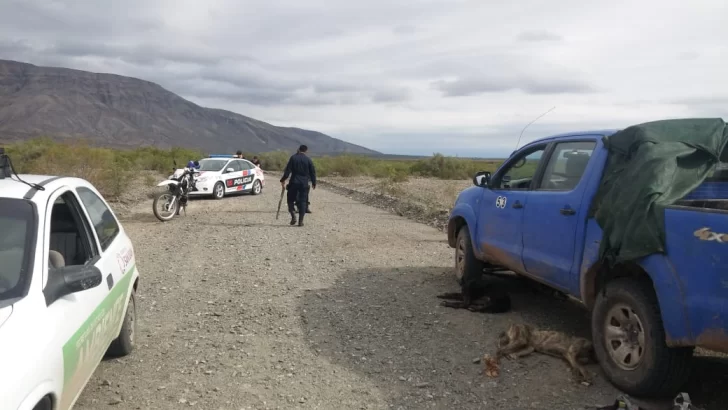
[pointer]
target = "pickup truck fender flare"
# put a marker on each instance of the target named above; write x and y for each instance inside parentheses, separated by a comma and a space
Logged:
(462, 214)
(668, 289)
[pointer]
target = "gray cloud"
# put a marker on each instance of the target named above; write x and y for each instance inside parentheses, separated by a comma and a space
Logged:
(11, 47)
(391, 95)
(80, 18)
(538, 36)
(474, 86)
(405, 29)
(348, 67)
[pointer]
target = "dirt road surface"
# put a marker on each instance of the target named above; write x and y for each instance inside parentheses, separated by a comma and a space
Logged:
(239, 311)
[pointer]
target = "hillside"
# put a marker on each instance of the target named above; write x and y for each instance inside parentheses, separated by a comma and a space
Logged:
(117, 111)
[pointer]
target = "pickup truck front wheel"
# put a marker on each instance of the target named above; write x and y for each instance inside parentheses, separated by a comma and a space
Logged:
(629, 341)
(466, 264)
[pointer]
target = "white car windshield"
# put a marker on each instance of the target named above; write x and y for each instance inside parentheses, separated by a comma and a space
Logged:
(17, 227)
(212, 164)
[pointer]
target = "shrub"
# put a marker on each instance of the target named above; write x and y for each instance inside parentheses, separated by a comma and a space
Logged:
(273, 161)
(109, 170)
(112, 170)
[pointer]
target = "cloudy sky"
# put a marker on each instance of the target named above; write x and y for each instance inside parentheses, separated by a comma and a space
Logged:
(400, 76)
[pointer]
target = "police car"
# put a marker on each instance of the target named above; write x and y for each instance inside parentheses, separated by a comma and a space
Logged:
(221, 175)
(68, 282)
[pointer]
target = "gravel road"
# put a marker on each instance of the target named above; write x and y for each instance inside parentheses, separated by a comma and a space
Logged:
(240, 311)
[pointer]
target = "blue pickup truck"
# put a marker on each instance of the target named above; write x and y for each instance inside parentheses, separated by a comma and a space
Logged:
(532, 217)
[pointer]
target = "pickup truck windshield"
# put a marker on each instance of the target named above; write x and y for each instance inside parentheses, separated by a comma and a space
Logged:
(16, 240)
(212, 164)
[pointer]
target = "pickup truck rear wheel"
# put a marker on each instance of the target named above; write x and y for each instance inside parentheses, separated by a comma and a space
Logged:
(466, 264)
(629, 341)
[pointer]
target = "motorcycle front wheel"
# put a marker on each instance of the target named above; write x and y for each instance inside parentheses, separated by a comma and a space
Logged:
(165, 206)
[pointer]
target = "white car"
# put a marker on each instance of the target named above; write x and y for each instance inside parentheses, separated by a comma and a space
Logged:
(222, 175)
(68, 282)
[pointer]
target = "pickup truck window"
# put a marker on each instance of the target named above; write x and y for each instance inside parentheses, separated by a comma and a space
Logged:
(566, 165)
(16, 246)
(520, 170)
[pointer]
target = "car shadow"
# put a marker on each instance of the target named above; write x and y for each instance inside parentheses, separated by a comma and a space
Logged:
(387, 325)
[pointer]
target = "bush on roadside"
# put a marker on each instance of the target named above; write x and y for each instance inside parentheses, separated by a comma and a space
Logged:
(273, 161)
(112, 170)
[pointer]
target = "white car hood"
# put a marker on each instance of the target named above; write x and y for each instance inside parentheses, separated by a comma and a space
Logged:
(5, 313)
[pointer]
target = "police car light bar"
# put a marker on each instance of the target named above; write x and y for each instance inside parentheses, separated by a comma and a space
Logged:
(221, 156)
(4, 164)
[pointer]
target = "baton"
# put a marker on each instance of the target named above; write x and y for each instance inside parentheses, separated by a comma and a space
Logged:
(280, 201)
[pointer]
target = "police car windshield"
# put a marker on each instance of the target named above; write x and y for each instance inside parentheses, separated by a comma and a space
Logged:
(16, 247)
(212, 164)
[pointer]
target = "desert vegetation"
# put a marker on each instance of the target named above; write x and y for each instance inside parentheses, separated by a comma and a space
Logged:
(113, 170)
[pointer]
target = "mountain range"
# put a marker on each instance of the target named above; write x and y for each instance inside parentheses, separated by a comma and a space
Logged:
(117, 111)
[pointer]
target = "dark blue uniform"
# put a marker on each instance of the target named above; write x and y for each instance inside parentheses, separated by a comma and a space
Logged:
(301, 170)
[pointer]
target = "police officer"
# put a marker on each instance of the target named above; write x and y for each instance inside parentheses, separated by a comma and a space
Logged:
(301, 170)
(308, 203)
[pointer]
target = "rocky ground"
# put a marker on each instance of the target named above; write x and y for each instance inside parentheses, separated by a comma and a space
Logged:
(238, 310)
(424, 200)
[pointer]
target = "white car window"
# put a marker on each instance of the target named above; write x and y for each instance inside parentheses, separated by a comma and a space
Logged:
(104, 222)
(16, 248)
(245, 164)
(70, 235)
(236, 166)
(212, 164)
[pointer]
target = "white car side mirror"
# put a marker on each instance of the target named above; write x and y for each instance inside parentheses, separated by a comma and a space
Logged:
(229, 170)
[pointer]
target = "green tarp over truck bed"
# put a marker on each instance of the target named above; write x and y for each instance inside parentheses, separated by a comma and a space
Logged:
(649, 167)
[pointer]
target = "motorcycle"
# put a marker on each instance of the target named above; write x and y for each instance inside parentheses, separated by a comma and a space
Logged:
(172, 202)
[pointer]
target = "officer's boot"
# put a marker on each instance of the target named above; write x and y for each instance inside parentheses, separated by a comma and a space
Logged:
(293, 218)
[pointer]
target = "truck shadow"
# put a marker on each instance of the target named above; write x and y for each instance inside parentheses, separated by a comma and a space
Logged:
(387, 325)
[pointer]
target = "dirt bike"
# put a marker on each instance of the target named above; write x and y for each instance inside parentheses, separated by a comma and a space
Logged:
(172, 202)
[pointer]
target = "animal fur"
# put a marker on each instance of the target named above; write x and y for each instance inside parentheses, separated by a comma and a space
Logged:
(486, 298)
(522, 340)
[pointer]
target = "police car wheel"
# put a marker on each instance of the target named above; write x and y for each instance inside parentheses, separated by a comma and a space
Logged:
(124, 343)
(218, 191)
(257, 188)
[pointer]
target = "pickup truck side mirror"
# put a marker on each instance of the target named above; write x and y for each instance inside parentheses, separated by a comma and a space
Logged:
(481, 178)
(70, 279)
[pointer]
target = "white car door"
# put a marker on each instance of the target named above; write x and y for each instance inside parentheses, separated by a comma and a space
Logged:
(73, 320)
(248, 174)
(234, 179)
(117, 253)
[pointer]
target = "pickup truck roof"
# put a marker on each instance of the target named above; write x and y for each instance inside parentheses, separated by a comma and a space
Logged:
(605, 132)
(12, 188)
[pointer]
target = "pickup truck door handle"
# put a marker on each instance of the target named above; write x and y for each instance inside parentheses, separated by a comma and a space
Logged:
(517, 205)
(567, 211)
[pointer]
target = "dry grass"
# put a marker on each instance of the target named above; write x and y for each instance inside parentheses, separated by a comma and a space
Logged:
(433, 193)
(432, 182)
